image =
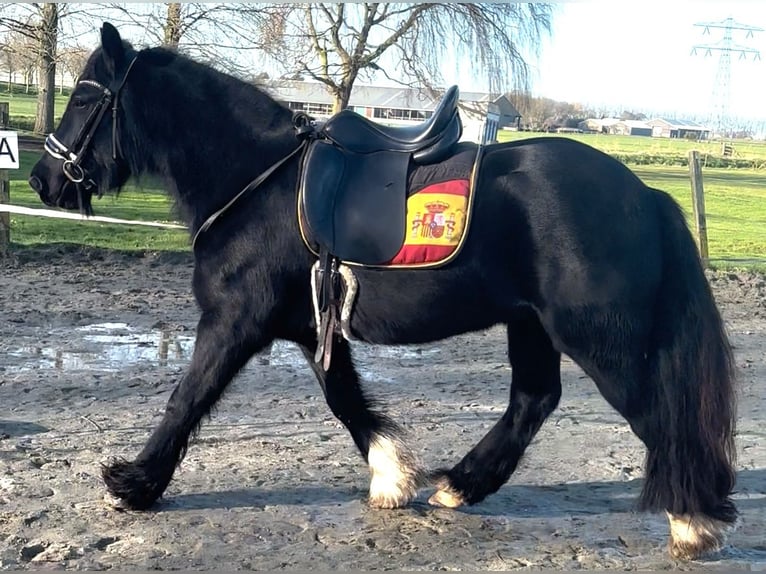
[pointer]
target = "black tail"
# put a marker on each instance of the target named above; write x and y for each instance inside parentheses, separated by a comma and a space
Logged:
(690, 468)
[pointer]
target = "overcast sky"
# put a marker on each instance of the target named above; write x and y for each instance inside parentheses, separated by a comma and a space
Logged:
(638, 55)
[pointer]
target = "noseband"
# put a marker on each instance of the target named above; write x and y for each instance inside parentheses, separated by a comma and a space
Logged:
(72, 156)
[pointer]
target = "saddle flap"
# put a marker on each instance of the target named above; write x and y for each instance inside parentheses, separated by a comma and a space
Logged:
(354, 204)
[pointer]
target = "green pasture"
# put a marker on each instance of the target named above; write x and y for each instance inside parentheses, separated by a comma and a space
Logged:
(26, 104)
(640, 150)
(735, 204)
(22, 106)
(142, 205)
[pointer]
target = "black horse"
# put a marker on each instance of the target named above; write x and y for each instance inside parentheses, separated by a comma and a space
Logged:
(567, 248)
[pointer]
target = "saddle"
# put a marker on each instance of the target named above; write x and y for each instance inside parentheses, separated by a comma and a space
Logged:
(353, 188)
(353, 197)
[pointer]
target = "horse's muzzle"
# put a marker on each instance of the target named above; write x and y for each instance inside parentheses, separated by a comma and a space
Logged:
(36, 184)
(40, 188)
(60, 192)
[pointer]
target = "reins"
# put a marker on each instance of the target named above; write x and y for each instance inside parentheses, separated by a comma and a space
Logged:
(304, 130)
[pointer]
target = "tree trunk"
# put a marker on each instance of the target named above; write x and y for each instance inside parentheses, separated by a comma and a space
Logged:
(342, 92)
(48, 37)
(173, 25)
(340, 101)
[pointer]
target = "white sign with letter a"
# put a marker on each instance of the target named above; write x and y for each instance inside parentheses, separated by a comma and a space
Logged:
(9, 150)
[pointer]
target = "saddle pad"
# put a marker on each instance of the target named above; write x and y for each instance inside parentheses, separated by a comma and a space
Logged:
(438, 209)
(436, 217)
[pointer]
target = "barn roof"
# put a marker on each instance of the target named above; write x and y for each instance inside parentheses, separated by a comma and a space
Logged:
(372, 96)
(675, 123)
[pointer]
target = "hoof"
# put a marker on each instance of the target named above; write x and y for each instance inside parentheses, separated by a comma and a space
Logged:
(446, 496)
(396, 474)
(692, 537)
(115, 503)
(130, 486)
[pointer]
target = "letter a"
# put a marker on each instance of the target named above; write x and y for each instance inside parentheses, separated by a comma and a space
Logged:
(5, 149)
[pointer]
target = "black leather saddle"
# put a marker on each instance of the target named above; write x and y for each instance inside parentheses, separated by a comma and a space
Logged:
(426, 141)
(353, 188)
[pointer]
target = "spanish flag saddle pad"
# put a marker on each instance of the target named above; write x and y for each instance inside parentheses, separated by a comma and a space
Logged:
(367, 211)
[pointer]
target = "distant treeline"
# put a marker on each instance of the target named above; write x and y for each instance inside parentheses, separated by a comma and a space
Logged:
(546, 114)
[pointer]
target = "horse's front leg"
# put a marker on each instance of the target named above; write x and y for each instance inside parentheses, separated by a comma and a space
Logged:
(396, 473)
(225, 342)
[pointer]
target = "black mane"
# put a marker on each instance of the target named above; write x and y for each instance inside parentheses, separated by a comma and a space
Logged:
(185, 122)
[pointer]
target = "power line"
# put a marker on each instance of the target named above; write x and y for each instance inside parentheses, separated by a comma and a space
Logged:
(725, 48)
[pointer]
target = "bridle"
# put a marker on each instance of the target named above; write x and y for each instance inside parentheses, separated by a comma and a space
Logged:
(72, 156)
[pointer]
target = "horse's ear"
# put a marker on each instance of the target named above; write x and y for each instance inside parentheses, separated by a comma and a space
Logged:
(114, 49)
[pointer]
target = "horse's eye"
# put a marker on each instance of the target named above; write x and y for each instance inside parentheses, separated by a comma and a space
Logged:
(79, 103)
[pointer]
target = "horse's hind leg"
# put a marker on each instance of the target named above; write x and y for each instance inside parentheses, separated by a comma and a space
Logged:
(396, 474)
(650, 374)
(699, 521)
(535, 393)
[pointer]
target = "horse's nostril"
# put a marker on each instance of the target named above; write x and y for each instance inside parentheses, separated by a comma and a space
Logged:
(36, 184)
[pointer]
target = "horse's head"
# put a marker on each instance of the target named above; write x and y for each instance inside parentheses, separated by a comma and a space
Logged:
(83, 155)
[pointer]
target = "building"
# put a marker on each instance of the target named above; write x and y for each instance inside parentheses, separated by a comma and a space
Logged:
(674, 128)
(482, 114)
(597, 125)
(630, 128)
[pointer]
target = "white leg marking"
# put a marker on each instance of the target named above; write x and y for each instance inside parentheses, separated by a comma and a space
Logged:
(396, 473)
(694, 536)
(446, 496)
(115, 502)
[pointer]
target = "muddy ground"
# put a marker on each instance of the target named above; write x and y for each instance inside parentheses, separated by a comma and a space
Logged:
(91, 344)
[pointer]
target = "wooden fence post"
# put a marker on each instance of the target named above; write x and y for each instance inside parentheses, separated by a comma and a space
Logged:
(698, 204)
(5, 193)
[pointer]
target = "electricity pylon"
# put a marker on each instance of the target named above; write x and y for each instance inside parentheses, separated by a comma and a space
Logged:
(725, 47)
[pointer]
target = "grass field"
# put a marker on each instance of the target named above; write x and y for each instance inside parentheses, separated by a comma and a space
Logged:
(635, 150)
(22, 107)
(26, 105)
(143, 205)
(735, 205)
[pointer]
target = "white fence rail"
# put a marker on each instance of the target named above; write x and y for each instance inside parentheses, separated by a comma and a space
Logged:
(7, 208)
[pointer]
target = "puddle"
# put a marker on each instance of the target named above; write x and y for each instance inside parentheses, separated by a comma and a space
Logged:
(367, 358)
(103, 347)
(113, 346)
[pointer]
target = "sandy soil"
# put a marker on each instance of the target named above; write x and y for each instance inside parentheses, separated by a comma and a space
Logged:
(92, 343)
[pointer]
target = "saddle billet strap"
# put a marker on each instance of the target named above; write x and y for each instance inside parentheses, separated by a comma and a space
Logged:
(341, 324)
(328, 295)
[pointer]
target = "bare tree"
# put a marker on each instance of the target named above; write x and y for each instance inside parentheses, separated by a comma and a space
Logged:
(11, 56)
(8, 59)
(218, 33)
(173, 25)
(72, 61)
(47, 34)
(39, 23)
(334, 43)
